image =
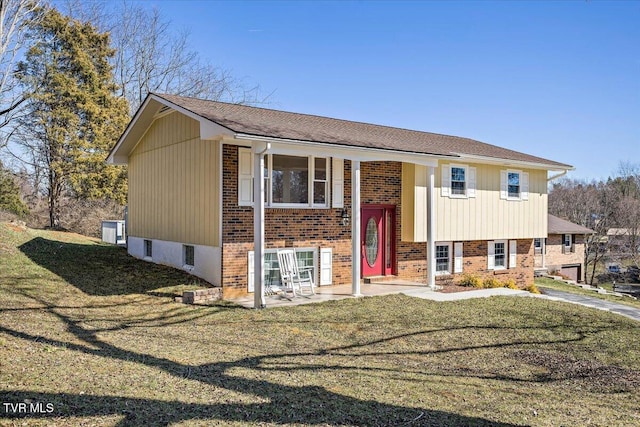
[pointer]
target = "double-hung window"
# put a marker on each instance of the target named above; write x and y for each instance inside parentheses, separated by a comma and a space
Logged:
(458, 181)
(443, 258)
(514, 185)
(567, 246)
(500, 255)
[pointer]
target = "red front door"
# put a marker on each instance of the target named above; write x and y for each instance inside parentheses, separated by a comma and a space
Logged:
(377, 241)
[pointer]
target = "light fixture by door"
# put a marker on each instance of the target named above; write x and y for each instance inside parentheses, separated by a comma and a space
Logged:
(345, 217)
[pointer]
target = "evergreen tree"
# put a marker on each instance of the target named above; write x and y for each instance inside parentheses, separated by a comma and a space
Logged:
(74, 114)
(10, 200)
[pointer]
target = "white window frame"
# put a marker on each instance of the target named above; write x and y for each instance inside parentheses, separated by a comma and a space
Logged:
(537, 249)
(274, 273)
(448, 270)
(564, 240)
(523, 185)
(268, 200)
(469, 181)
(492, 255)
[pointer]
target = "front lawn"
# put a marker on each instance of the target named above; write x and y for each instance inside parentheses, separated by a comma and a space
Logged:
(130, 355)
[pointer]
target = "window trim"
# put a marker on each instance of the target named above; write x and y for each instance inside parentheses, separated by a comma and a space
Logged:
(268, 184)
(272, 251)
(564, 240)
(469, 181)
(519, 196)
(523, 185)
(464, 195)
(491, 254)
(448, 271)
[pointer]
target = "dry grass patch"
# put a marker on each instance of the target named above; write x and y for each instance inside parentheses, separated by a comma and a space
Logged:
(105, 356)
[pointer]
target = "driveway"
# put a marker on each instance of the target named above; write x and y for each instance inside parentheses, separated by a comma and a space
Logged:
(624, 310)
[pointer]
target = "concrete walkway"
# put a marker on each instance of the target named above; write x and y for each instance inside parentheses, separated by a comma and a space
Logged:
(624, 310)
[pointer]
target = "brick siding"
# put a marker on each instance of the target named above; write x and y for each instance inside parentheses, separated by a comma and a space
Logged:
(555, 257)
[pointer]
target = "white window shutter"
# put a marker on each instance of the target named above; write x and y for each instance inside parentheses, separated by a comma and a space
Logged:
(491, 256)
(457, 260)
(326, 266)
(250, 271)
(471, 185)
(503, 185)
(245, 177)
(524, 190)
(337, 190)
(513, 250)
(445, 185)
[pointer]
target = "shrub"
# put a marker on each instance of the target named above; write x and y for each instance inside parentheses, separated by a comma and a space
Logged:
(532, 288)
(511, 284)
(471, 281)
(492, 282)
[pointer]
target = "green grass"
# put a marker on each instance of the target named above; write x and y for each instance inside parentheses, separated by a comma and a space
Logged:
(544, 282)
(105, 355)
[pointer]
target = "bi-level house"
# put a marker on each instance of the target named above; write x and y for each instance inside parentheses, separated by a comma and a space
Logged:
(217, 188)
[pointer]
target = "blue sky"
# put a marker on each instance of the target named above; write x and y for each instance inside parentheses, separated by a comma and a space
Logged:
(560, 80)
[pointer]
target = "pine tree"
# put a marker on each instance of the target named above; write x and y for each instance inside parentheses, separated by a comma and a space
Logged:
(10, 200)
(74, 114)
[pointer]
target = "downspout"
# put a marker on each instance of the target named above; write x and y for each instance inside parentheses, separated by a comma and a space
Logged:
(559, 175)
(258, 224)
(431, 229)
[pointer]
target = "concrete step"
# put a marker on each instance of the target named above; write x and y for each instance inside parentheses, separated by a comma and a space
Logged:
(379, 279)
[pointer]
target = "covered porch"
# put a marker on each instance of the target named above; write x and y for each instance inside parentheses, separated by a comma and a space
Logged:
(262, 147)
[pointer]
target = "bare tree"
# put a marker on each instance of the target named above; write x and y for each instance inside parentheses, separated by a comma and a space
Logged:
(592, 205)
(151, 56)
(14, 17)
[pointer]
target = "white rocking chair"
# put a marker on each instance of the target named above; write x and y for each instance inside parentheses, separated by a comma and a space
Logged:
(293, 278)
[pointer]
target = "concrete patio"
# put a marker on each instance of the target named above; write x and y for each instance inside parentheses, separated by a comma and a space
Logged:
(414, 289)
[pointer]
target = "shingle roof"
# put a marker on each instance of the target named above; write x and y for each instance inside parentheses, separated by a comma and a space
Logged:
(557, 225)
(304, 127)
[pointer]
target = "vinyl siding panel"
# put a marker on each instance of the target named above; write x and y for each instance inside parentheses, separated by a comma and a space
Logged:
(484, 217)
(173, 191)
(488, 217)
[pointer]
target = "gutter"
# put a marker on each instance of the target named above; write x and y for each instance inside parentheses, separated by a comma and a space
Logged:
(250, 137)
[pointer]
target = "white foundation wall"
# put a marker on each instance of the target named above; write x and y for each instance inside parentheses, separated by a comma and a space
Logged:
(207, 259)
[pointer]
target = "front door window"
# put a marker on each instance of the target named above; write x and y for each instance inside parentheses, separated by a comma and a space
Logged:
(371, 242)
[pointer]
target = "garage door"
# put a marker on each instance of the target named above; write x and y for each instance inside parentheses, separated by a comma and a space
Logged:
(572, 272)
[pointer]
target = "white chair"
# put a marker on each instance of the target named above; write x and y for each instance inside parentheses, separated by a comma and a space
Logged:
(292, 277)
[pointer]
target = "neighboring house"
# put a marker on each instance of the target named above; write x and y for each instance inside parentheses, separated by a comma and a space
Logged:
(623, 240)
(563, 250)
(356, 200)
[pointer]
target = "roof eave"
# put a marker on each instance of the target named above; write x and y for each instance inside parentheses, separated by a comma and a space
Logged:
(516, 163)
(355, 152)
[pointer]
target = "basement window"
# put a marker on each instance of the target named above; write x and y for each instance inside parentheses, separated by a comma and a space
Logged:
(148, 249)
(189, 254)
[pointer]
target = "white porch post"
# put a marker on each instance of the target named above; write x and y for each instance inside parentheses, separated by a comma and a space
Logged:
(355, 228)
(543, 249)
(258, 225)
(431, 229)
